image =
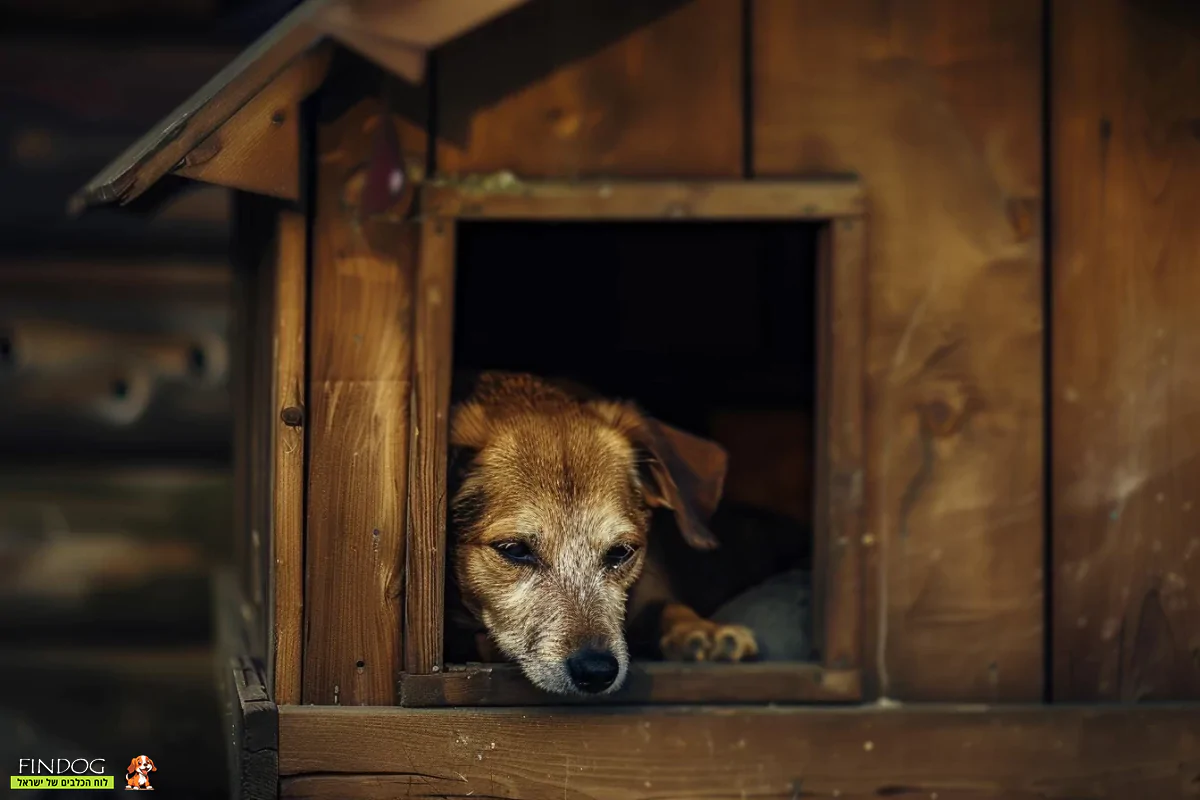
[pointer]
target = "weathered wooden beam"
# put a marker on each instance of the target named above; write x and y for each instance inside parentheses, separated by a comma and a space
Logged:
(358, 421)
(503, 196)
(433, 357)
(945, 752)
(289, 348)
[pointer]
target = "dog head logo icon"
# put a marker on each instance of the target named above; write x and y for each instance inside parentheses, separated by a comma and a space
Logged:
(137, 776)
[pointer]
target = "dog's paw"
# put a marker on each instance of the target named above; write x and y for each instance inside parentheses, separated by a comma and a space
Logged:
(690, 640)
(702, 640)
(734, 643)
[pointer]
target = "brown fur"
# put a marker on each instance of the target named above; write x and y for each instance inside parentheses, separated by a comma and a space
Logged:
(573, 478)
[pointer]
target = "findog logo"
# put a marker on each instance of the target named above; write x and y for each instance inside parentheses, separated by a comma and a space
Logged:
(137, 775)
(60, 773)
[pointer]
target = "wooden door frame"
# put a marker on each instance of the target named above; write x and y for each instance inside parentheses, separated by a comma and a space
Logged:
(840, 563)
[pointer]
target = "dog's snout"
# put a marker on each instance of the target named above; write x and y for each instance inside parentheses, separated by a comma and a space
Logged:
(593, 670)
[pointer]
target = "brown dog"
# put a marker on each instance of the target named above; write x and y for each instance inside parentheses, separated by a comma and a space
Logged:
(552, 493)
(137, 775)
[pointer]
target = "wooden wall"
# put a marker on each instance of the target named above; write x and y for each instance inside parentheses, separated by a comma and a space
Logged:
(939, 106)
(936, 105)
(591, 88)
(1125, 147)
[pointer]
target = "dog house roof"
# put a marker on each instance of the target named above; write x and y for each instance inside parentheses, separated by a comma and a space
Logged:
(395, 34)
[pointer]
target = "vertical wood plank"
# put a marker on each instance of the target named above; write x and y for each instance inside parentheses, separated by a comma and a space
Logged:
(841, 371)
(288, 338)
(359, 393)
(936, 105)
(599, 87)
(1126, 358)
(433, 356)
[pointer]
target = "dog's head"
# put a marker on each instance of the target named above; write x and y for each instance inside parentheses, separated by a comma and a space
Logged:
(141, 764)
(552, 515)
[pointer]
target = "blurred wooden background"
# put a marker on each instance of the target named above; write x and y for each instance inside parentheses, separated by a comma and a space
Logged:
(115, 495)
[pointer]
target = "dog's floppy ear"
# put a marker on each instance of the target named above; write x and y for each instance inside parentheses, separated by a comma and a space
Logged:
(152, 767)
(686, 472)
(469, 426)
(132, 765)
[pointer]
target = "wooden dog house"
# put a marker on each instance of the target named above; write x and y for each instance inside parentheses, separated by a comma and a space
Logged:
(955, 562)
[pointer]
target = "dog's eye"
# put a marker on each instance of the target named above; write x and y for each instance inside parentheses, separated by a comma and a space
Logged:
(617, 555)
(516, 552)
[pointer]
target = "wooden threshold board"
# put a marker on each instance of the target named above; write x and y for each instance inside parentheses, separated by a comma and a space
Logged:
(647, 683)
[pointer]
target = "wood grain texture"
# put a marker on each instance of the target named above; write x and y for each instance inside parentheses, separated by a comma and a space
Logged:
(433, 357)
(359, 394)
(842, 364)
(1126, 359)
(853, 754)
(935, 104)
(290, 356)
(648, 683)
(633, 87)
(503, 198)
(258, 148)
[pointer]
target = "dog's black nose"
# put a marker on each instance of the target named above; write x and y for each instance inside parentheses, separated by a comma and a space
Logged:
(593, 670)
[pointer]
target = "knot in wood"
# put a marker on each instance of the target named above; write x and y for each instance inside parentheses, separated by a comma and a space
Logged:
(292, 416)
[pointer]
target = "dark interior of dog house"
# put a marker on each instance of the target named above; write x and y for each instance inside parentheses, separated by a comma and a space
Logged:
(710, 326)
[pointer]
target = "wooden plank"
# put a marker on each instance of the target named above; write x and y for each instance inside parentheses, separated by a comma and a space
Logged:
(258, 148)
(251, 719)
(975, 752)
(506, 197)
(652, 88)
(1126, 384)
(648, 683)
(936, 105)
(255, 734)
(359, 396)
(842, 372)
(289, 349)
(433, 356)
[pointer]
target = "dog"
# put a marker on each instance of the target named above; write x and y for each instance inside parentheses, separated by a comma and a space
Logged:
(137, 775)
(552, 493)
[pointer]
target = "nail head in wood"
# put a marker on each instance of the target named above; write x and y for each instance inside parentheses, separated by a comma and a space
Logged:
(292, 416)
